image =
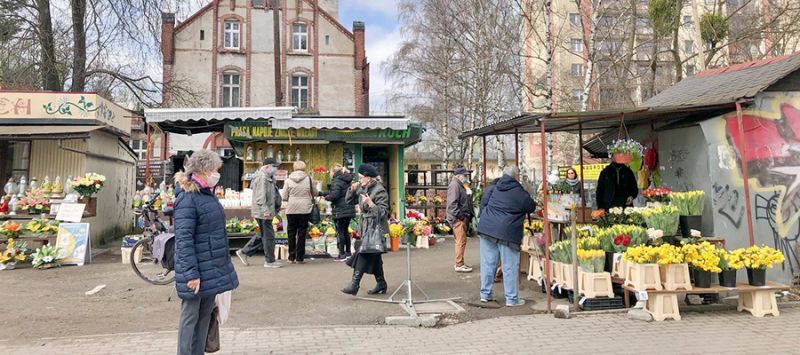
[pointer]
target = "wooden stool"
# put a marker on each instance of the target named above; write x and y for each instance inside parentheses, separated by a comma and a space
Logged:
(675, 277)
(555, 272)
(535, 269)
(619, 268)
(595, 284)
(281, 252)
(567, 276)
(422, 242)
(662, 306)
(758, 302)
(644, 277)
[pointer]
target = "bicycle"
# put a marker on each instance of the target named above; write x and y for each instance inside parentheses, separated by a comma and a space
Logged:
(145, 265)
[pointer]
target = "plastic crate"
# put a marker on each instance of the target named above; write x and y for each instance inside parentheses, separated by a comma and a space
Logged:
(602, 303)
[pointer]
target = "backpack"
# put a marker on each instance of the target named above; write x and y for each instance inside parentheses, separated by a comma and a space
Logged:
(278, 199)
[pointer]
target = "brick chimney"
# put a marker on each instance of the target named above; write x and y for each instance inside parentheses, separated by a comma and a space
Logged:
(168, 52)
(362, 70)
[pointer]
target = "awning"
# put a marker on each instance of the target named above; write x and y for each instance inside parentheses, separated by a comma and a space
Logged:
(46, 132)
(343, 122)
(202, 120)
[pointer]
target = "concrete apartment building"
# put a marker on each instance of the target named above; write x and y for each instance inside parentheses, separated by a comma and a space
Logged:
(226, 54)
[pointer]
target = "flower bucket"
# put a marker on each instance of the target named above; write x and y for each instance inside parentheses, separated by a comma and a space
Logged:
(8, 266)
(644, 277)
(423, 242)
(622, 158)
(609, 262)
(91, 205)
(702, 279)
(675, 276)
(727, 278)
(395, 244)
(593, 285)
(688, 223)
(432, 241)
(757, 277)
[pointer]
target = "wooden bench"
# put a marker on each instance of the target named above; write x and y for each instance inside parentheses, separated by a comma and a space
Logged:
(758, 300)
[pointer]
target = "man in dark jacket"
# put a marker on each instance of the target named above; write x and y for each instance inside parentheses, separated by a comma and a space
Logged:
(616, 187)
(265, 206)
(503, 211)
(343, 211)
(459, 215)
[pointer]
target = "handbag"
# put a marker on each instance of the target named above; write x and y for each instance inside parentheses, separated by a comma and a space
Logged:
(212, 340)
(373, 241)
(315, 217)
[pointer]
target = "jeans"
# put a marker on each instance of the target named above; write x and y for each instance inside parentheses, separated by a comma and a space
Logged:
(266, 239)
(490, 252)
(343, 235)
(297, 229)
(193, 325)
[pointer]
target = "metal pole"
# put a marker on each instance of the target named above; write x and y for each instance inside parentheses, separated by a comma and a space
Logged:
(516, 146)
(147, 155)
(743, 153)
(574, 238)
(484, 163)
(580, 156)
(547, 232)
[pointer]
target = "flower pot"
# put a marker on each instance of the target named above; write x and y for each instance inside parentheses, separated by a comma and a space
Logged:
(609, 264)
(757, 277)
(622, 158)
(432, 241)
(395, 244)
(8, 266)
(727, 278)
(702, 279)
(91, 205)
(688, 223)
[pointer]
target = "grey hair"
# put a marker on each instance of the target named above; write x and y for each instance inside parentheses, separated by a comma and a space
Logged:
(202, 160)
(512, 171)
(337, 167)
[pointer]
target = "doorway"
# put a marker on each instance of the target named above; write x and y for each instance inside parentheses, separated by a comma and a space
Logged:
(379, 158)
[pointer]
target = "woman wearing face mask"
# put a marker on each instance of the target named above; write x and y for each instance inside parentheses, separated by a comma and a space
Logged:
(203, 266)
(373, 200)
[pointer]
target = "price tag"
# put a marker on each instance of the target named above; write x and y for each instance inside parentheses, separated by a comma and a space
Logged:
(642, 296)
(580, 303)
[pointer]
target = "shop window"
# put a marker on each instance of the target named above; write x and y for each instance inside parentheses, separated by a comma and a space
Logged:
(231, 35)
(19, 162)
(300, 37)
(230, 90)
(300, 91)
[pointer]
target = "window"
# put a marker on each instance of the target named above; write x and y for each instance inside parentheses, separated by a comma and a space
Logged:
(575, 19)
(688, 46)
(327, 40)
(576, 45)
(230, 90)
(642, 22)
(646, 48)
(300, 91)
(300, 37)
(577, 94)
(576, 69)
(140, 148)
(17, 160)
(690, 70)
(687, 21)
(202, 35)
(231, 35)
(605, 21)
(610, 47)
(709, 46)
(709, 2)
(258, 3)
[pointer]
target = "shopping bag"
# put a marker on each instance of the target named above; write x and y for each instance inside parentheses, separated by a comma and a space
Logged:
(223, 301)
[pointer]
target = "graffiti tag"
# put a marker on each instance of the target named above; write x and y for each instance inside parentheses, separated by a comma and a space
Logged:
(726, 200)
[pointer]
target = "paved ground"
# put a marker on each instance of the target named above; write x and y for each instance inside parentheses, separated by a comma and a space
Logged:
(710, 333)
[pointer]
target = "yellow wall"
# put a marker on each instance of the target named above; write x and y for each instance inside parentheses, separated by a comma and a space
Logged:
(314, 155)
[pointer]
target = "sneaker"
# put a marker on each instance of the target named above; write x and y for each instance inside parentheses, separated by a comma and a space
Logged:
(487, 300)
(242, 257)
(274, 265)
(520, 302)
(462, 268)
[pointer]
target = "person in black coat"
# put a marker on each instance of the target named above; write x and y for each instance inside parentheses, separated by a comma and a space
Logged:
(503, 211)
(343, 210)
(616, 187)
(203, 267)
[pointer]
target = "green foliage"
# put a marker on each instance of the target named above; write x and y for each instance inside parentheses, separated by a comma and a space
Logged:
(664, 16)
(713, 28)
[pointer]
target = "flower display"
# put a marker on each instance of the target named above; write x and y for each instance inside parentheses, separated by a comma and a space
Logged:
(655, 235)
(591, 260)
(39, 226)
(689, 203)
(669, 254)
(731, 260)
(314, 232)
(14, 252)
(244, 226)
(561, 251)
(422, 199)
(441, 226)
(658, 194)
(10, 229)
(589, 243)
(641, 255)
(628, 146)
(762, 257)
(582, 231)
(396, 230)
(410, 200)
(46, 256)
(89, 184)
(619, 215)
(34, 200)
(703, 256)
(664, 218)
(423, 229)
(533, 227)
(438, 200)
(617, 238)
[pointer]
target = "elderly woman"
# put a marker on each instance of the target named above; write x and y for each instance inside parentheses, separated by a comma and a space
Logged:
(203, 266)
(299, 192)
(373, 200)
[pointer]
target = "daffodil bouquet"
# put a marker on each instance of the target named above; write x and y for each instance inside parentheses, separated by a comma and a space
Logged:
(689, 203)
(731, 260)
(642, 254)
(396, 230)
(669, 254)
(46, 256)
(591, 260)
(762, 257)
(89, 184)
(14, 252)
(664, 218)
(703, 256)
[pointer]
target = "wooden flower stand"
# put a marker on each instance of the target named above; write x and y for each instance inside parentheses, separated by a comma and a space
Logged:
(675, 277)
(644, 277)
(595, 284)
(567, 276)
(619, 268)
(555, 272)
(423, 242)
(758, 302)
(662, 306)
(281, 252)
(535, 269)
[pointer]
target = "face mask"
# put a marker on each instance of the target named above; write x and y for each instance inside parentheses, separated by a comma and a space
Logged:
(212, 179)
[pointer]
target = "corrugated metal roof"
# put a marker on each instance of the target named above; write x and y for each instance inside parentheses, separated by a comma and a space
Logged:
(47, 131)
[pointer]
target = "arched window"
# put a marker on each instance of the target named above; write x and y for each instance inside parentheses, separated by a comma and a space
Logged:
(300, 96)
(300, 37)
(232, 34)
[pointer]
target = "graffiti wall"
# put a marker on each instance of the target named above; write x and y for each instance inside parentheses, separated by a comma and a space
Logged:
(772, 138)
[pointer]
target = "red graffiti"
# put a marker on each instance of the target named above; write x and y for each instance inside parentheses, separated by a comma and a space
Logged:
(18, 107)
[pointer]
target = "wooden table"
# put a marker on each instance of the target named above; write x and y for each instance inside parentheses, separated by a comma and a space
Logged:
(758, 300)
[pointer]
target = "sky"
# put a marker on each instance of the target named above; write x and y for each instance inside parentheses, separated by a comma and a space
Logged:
(382, 37)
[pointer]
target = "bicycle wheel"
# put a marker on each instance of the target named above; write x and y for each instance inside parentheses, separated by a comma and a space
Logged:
(145, 265)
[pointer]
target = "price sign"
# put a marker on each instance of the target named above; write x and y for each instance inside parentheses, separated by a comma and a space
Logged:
(642, 296)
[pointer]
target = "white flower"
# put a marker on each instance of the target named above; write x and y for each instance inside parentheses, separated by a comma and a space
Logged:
(695, 233)
(48, 259)
(616, 210)
(655, 233)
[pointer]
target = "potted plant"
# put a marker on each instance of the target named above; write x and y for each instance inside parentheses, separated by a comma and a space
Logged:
(730, 262)
(438, 200)
(663, 217)
(757, 259)
(12, 255)
(690, 209)
(644, 272)
(86, 186)
(410, 200)
(46, 257)
(674, 271)
(705, 260)
(621, 151)
(396, 232)
(423, 200)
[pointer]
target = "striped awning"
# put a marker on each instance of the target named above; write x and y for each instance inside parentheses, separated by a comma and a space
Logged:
(345, 122)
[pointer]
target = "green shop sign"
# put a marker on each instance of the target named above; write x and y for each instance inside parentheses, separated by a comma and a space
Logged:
(261, 131)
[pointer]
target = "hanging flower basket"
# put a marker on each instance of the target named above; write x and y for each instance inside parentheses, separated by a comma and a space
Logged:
(622, 158)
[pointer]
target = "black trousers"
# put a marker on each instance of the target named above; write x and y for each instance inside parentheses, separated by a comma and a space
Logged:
(343, 235)
(297, 230)
(266, 241)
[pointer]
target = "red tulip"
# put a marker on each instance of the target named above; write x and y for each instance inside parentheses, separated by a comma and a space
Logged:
(618, 240)
(626, 240)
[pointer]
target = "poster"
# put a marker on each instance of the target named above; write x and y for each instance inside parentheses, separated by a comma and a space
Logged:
(559, 206)
(73, 239)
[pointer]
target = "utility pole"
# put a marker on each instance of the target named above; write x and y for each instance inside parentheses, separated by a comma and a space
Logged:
(276, 30)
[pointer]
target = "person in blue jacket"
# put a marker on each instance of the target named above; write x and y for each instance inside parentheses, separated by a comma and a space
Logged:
(503, 210)
(203, 267)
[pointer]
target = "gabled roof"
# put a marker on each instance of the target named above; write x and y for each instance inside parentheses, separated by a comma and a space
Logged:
(727, 85)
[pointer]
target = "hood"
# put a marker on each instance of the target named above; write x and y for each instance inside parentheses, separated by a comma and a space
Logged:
(348, 178)
(507, 183)
(298, 176)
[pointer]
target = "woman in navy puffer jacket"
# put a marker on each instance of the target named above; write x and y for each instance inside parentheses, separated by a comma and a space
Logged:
(203, 266)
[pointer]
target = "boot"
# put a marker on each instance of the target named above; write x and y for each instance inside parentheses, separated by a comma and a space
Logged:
(380, 287)
(352, 288)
